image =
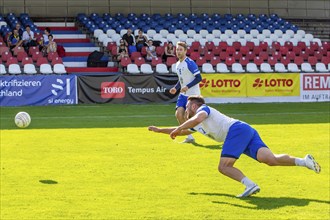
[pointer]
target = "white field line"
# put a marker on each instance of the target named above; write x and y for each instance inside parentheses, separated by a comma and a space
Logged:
(164, 116)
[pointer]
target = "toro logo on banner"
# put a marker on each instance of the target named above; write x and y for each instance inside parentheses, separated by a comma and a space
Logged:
(112, 90)
(223, 85)
(272, 85)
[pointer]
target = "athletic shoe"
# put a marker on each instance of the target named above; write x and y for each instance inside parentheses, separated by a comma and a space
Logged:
(312, 164)
(249, 191)
(188, 141)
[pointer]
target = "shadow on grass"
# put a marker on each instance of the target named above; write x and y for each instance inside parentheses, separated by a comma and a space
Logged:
(211, 147)
(266, 203)
(48, 181)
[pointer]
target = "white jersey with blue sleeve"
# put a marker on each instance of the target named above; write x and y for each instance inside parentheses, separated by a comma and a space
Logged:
(216, 125)
(186, 71)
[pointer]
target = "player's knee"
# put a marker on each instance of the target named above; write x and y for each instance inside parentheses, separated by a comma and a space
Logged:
(222, 168)
(270, 161)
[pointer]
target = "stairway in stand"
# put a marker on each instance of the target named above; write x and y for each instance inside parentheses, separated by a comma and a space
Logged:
(77, 46)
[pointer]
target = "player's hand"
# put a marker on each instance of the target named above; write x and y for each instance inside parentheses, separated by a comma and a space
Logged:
(184, 89)
(175, 133)
(173, 91)
(153, 128)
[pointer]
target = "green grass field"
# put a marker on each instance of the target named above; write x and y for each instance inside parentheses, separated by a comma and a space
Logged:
(101, 162)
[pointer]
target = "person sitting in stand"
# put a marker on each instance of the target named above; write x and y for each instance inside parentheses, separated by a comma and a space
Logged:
(52, 46)
(14, 40)
(151, 50)
(141, 40)
(28, 38)
(169, 51)
(122, 50)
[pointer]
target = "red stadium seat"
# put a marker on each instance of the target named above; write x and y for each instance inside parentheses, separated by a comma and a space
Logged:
(200, 61)
(296, 50)
(32, 50)
(4, 49)
(135, 55)
(304, 55)
(156, 61)
(160, 51)
(17, 49)
(250, 56)
(144, 51)
(209, 46)
(36, 55)
(272, 61)
(291, 55)
(237, 45)
(284, 50)
(229, 61)
(5, 56)
(276, 45)
(325, 60)
(285, 60)
(195, 45)
(51, 56)
(201, 50)
(288, 45)
(139, 61)
(237, 55)
(256, 50)
(250, 45)
(57, 60)
(114, 51)
(263, 46)
(194, 55)
(309, 51)
(298, 60)
(223, 56)
(263, 55)
(223, 46)
(125, 61)
(216, 50)
(21, 55)
(12, 60)
(215, 60)
(318, 55)
(111, 45)
(209, 55)
(243, 61)
(230, 50)
(27, 60)
(314, 46)
(244, 50)
(258, 61)
(170, 61)
(42, 60)
(301, 45)
(312, 61)
(277, 55)
(326, 45)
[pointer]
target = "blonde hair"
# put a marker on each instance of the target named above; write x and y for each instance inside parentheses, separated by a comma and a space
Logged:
(197, 99)
(182, 44)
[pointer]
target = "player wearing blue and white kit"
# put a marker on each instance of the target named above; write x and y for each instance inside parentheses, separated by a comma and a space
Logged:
(238, 137)
(188, 83)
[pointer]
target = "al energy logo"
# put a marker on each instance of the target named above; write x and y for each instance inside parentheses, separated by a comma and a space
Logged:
(114, 90)
(258, 82)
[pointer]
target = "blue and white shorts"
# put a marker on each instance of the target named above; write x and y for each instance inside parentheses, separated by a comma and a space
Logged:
(182, 101)
(242, 138)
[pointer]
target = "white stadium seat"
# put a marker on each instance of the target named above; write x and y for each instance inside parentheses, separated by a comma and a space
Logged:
(173, 68)
(306, 67)
(146, 68)
(133, 68)
(292, 67)
(252, 68)
(178, 32)
(151, 33)
(46, 69)
(111, 32)
(2, 69)
(320, 67)
(279, 67)
(222, 68)
(183, 37)
(29, 69)
(191, 33)
(59, 69)
(161, 68)
(203, 33)
(207, 68)
(216, 33)
(237, 68)
(265, 67)
(97, 32)
(164, 33)
(14, 69)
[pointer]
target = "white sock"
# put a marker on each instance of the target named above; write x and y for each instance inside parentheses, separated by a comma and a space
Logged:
(247, 182)
(190, 136)
(300, 162)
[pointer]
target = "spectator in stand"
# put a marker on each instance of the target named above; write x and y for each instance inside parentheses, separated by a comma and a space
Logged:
(28, 38)
(169, 51)
(122, 50)
(19, 29)
(44, 41)
(141, 40)
(51, 47)
(14, 40)
(151, 50)
(129, 40)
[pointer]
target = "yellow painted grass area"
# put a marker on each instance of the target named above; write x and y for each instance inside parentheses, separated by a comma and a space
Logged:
(133, 173)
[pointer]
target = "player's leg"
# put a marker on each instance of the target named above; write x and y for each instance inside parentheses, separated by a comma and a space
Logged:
(237, 140)
(265, 155)
(180, 114)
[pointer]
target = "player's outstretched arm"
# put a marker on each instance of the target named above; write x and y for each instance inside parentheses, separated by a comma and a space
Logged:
(168, 130)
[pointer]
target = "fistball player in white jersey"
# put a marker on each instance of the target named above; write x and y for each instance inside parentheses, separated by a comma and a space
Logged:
(238, 137)
(188, 84)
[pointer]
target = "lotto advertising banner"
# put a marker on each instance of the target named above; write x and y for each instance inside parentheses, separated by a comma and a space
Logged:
(223, 85)
(38, 90)
(273, 85)
(126, 89)
(315, 87)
